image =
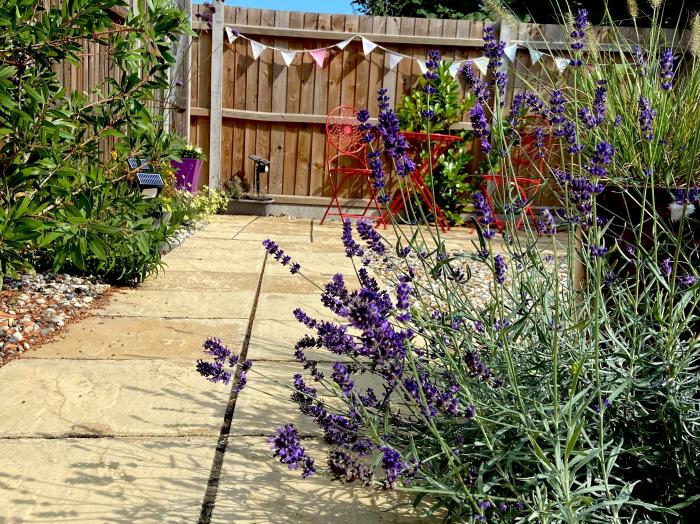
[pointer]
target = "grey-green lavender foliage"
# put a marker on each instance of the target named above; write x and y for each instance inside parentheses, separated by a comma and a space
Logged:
(573, 395)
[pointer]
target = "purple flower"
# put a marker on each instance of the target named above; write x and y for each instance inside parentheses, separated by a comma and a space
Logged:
(274, 250)
(546, 225)
(646, 118)
(473, 83)
(578, 33)
(341, 376)
(483, 213)
(373, 239)
(539, 142)
(639, 61)
(392, 464)
(594, 117)
(215, 371)
(500, 268)
(557, 111)
(286, 445)
(431, 74)
(480, 125)
(352, 248)
(492, 49)
(666, 266)
(597, 251)
(666, 65)
(687, 280)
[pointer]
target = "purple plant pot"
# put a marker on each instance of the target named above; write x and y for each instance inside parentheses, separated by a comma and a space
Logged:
(187, 173)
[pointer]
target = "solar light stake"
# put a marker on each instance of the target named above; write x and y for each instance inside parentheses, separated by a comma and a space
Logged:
(262, 165)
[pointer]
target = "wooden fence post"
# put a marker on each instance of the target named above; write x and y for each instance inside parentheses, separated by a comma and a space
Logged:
(181, 81)
(215, 118)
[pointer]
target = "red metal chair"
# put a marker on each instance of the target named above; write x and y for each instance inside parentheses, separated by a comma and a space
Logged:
(347, 161)
(528, 167)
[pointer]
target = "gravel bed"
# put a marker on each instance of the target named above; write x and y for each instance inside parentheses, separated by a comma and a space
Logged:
(477, 288)
(35, 308)
(182, 235)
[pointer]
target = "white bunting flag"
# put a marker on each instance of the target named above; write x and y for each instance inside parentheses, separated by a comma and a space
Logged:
(367, 46)
(231, 34)
(535, 55)
(257, 48)
(481, 63)
(454, 69)
(561, 63)
(394, 60)
(423, 66)
(288, 57)
(344, 43)
(511, 51)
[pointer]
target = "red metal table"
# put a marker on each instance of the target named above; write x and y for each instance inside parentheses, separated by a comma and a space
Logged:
(418, 143)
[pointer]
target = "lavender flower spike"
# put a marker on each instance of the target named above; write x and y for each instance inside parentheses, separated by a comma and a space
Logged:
(666, 64)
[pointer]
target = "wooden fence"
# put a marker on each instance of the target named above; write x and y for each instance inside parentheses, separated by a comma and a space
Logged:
(240, 106)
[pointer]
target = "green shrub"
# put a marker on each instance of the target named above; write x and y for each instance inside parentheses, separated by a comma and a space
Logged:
(451, 180)
(65, 203)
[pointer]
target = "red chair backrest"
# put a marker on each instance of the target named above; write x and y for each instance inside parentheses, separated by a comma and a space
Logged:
(343, 131)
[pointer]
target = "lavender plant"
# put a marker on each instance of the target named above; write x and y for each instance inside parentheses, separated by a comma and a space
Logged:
(570, 393)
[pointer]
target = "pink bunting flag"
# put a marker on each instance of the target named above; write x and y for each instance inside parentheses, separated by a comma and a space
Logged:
(319, 55)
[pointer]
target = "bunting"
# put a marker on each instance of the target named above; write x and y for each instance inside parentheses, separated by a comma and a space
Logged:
(344, 43)
(231, 34)
(367, 46)
(511, 52)
(481, 63)
(561, 63)
(535, 55)
(319, 55)
(257, 48)
(393, 58)
(288, 57)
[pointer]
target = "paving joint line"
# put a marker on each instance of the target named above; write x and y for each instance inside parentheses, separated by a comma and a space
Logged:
(244, 227)
(209, 501)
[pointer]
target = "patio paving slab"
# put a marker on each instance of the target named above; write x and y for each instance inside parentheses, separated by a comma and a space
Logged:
(128, 397)
(229, 264)
(280, 306)
(254, 489)
(119, 338)
(180, 304)
(195, 281)
(274, 340)
(121, 481)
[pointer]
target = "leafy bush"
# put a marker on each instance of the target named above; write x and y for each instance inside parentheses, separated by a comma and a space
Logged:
(65, 203)
(189, 208)
(570, 392)
(437, 110)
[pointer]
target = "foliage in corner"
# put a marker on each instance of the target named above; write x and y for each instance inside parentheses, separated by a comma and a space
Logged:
(64, 200)
(438, 111)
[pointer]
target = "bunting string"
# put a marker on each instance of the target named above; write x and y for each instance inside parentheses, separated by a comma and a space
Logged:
(393, 58)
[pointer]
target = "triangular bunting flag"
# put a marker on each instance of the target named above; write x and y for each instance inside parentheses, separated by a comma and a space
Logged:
(454, 69)
(561, 63)
(423, 66)
(257, 48)
(231, 34)
(367, 46)
(394, 59)
(319, 55)
(511, 51)
(535, 55)
(481, 63)
(288, 57)
(344, 43)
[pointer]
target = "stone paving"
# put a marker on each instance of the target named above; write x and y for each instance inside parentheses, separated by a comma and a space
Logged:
(112, 424)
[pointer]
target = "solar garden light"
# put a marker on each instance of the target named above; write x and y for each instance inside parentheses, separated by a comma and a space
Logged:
(149, 183)
(262, 165)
